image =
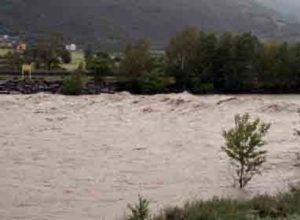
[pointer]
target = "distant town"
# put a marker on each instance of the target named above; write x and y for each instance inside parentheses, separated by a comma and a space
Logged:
(16, 43)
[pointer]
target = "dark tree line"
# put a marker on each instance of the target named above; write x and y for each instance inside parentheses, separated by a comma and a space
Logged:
(201, 62)
(193, 61)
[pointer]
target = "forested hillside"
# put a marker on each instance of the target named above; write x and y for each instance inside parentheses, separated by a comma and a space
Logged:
(113, 22)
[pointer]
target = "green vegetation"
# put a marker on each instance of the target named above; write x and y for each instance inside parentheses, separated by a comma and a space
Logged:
(140, 72)
(47, 53)
(77, 57)
(242, 146)
(281, 207)
(137, 59)
(73, 85)
(100, 64)
(193, 61)
(201, 62)
(139, 211)
(4, 51)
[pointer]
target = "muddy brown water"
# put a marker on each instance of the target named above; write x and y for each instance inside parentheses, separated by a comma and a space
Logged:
(87, 157)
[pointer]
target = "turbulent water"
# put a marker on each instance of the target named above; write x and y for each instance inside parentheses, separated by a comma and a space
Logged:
(74, 158)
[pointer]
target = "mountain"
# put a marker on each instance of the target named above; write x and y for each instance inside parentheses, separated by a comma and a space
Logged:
(114, 22)
(287, 7)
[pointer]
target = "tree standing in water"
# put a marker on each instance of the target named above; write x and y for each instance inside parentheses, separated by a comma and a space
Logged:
(243, 145)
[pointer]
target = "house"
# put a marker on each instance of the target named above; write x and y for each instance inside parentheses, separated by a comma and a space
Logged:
(21, 47)
(71, 47)
(7, 41)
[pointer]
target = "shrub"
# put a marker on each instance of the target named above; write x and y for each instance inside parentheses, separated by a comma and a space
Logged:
(150, 83)
(139, 211)
(214, 209)
(243, 146)
(283, 206)
(172, 214)
(267, 206)
(100, 65)
(73, 85)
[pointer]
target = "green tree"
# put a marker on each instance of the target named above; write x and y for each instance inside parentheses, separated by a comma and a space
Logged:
(88, 51)
(295, 66)
(282, 67)
(182, 54)
(100, 65)
(243, 145)
(48, 52)
(139, 211)
(223, 64)
(247, 56)
(137, 59)
(201, 78)
(267, 75)
(141, 72)
(13, 61)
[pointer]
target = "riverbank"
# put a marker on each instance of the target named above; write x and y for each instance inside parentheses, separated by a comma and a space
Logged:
(51, 87)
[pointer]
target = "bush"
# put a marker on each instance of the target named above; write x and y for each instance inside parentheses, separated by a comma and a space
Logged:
(267, 206)
(198, 87)
(73, 85)
(139, 211)
(100, 65)
(243, 146)
(215, 209)
(284, 206)
(151, 83)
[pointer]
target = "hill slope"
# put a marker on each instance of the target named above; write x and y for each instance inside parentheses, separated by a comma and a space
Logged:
(113, 22)
(287, 7)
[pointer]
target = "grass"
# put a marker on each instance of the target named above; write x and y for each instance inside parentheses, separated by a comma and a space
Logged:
(77, 58)
(284, 206)
(4, 51)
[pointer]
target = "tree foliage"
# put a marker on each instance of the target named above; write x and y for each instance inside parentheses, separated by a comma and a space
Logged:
(73, 85)
(139, 211)
(182, 54)
(142, 72)
(48, 52)
(100, 64)
(243, 145)
(232, 63)
(13, 61)
(194, 61)
(137, 59)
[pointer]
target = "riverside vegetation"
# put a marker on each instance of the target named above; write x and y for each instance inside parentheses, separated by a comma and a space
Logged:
(285, 206)
(193, 61)
(200, 63)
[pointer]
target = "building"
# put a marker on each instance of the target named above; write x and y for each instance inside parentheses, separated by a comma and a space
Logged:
(71, 47)
(7, 41)
(21, 47)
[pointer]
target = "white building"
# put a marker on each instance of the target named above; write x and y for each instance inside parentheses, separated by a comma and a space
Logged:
(71, 47)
